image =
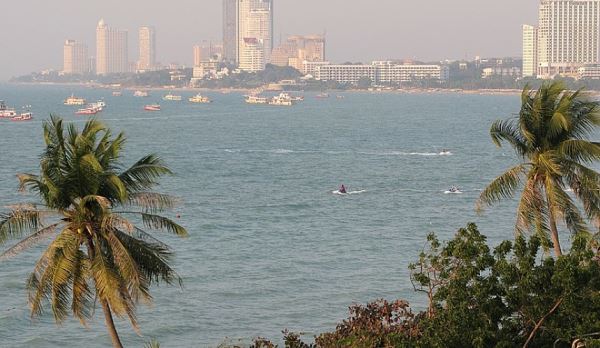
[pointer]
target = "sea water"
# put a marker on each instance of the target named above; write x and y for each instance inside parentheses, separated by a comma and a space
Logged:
(271, 246)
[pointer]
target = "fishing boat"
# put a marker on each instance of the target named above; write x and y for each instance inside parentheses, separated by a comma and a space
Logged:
(200, 99)
(26, 116)
(255, 99)
(283, 99)
(152, 107)
(140, 94)
(5, 112)
(172, 97)
(73, 100)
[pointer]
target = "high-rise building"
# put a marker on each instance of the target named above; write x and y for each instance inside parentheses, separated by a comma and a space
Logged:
(530, 51)
(252, 56)
(147, 38)
(75, 58)
(568, 36)
(197, 55)
(255, 22)
(111, 50)
(230, 30)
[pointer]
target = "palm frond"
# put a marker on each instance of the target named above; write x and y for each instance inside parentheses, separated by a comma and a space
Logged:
(578, 150)
(28, 242)
(508, 131)
(152, 202)
(157, 222)
(19, 222)
(144, 173)
(502, 187)
(152, 258)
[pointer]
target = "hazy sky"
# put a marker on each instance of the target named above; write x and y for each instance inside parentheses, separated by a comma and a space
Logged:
(32, 32)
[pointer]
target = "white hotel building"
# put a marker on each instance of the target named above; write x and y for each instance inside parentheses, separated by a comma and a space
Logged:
(567, 38)
(381, 72)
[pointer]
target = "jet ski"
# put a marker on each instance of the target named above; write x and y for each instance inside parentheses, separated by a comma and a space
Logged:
(445, 152)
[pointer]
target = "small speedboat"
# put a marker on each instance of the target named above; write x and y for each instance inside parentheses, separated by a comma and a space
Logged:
(453, 190)
(445, 153)
(90, 110)
(152, 107)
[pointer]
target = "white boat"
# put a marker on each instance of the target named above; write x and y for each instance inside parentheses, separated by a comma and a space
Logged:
(117, 93)
(200, 99)
(255, 99)
(445, 153)
(152, 107)
(283, 99)
(26, 116)
(172, 97)
(453, 190)
(73, 100)
(5, 112)
(140, 94)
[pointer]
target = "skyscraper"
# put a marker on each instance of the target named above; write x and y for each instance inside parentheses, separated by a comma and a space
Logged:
(75, 58)
(255, 22)
(530, 51)
(147, 37)
(111, 50)
(230, 30)
(568, 36)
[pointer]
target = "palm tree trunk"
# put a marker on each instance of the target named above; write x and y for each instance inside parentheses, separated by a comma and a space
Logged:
(110, 325)
(554, 233)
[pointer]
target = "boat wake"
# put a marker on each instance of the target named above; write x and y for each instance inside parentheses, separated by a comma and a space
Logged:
(337, 192)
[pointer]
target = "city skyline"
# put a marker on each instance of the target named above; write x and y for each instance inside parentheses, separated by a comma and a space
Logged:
(391, 30)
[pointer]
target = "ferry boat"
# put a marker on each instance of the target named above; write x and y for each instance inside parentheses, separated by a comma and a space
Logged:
(140, 94)
(5, 111)
(152, 107)
(283, 99)
(73, 100)
(200, 99)
(172, 97)
(255, 99)
(26, 116)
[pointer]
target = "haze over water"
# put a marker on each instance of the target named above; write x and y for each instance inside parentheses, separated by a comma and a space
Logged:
(270, 246)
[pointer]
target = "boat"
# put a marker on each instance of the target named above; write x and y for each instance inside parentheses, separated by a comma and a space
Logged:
(445, 153)
(283, 99)
(453, 190)
(140, 94)
(117, 93)
(340, 97)
(73, 100)
(87, 111)
(26, 116)
(5, 111)
(152, 107)
(298, 98)
(255, 99)
(322, 95)
(100, 105)
(200, 99)
(172, 97)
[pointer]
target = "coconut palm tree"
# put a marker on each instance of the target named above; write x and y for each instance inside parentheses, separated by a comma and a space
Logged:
(97, 213)
(551, 138)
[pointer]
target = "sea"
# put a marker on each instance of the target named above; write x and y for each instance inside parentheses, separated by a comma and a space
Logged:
(271, 246)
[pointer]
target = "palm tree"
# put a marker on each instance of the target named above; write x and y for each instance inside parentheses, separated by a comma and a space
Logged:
(550, 136)
(98, 253)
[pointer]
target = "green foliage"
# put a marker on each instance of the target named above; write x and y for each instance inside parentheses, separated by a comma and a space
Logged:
(508, 296)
